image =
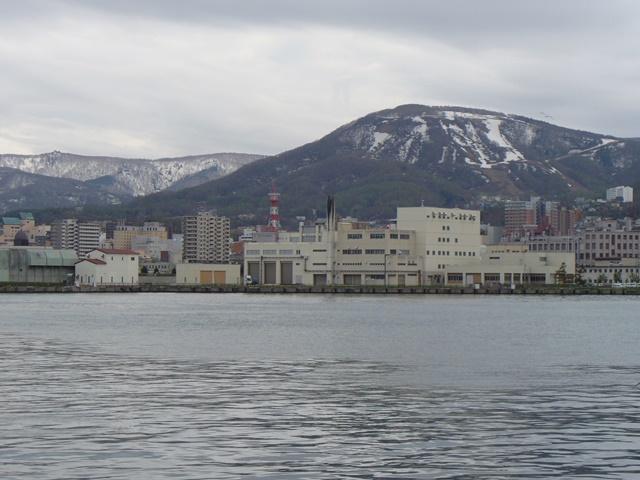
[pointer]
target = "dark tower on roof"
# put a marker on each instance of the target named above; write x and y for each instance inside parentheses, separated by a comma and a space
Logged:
(21, 239)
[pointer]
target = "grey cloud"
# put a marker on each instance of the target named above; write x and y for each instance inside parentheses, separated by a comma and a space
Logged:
(169, 77)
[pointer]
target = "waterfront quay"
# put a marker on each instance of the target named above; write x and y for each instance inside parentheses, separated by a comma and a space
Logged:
(325, 289)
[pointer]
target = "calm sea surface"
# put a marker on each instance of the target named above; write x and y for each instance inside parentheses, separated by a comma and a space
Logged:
(229, 386)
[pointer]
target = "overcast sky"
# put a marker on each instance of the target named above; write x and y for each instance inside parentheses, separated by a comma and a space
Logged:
(168, 78)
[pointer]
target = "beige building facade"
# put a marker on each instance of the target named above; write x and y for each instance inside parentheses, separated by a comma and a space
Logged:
(444, 237)
(123, 235)
(509, 266)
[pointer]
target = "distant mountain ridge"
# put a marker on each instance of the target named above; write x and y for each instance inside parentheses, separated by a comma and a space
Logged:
(104, 180)
(444, 156)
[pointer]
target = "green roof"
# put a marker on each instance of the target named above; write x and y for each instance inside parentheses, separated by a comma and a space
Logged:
(51, 258)
(11, 221)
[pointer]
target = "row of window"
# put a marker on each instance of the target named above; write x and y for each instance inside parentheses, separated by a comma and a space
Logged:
(551, 247)
(508, 277)
(446, 253)
(346, 251)
(368, 251)
(453, 216)
(612, 270)
(378, 236)
(275, 252)
(608, 255)
(446, 240)
(632, 246)
(605, 236)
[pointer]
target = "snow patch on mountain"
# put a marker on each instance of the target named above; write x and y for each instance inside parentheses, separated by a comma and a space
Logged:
(378, 139)
(494, 134)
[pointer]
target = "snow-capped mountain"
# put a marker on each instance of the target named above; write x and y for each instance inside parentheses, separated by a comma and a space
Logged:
(443, 156)
(128, 177)
(481, 139)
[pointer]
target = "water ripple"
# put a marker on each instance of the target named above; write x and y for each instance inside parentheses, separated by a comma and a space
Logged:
(70, 412)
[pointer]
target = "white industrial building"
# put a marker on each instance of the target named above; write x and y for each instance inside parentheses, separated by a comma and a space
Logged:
(108, 267)
(427, 246)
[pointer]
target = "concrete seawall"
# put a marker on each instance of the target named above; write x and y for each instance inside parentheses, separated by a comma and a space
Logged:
(342, 289)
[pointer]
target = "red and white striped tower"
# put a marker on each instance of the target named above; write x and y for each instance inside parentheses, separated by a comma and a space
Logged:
(274, 217)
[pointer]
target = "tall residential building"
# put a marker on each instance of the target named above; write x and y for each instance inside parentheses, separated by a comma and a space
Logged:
(620, 193)
(88, 238)
(566, 221)
(68, 234)
(205, 238)
(518, 216)
(532, 217)
(64, 234)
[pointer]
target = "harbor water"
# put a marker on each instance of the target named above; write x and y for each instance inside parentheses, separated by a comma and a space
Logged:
(230, 386)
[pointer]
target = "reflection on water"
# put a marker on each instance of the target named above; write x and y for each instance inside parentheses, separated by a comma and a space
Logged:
(80, 412)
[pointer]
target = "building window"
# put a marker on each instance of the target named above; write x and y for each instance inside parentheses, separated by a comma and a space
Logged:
(374, 251)
(352, 251)
(354, 236)
(393, 235)
(405, 236)
(377, 235)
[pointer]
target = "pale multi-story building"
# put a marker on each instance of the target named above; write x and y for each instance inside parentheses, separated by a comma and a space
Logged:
(608, 244)
(81, 237)
(123, 235)
(205, 238)
(349, 254)
(621, 193)
(10, 226)
(518, 217)
(64, 234)
(88, 238)
(444, 237)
